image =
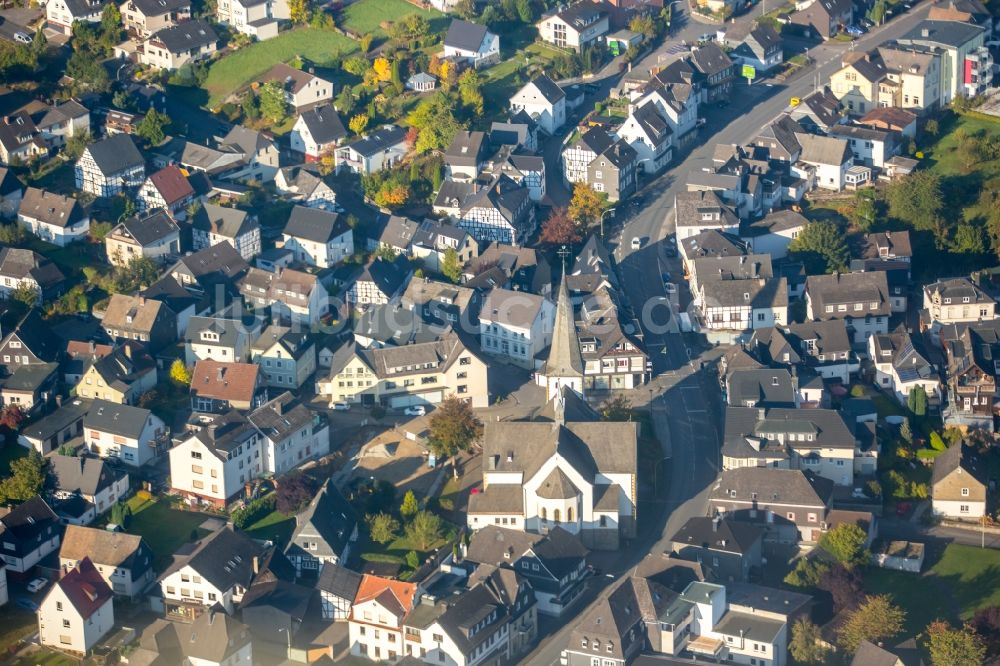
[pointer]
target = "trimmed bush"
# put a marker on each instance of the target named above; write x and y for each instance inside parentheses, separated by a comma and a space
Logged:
(254, 511)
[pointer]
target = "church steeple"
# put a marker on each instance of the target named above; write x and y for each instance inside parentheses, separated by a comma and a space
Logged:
(564, 366)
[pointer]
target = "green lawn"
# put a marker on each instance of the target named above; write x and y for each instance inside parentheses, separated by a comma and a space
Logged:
(366, 16)
(43, 657)
(946, 157)
(501, 81)
(958, 584)
(240, 68)
(163, 527)
(17, 624)
(275, 526)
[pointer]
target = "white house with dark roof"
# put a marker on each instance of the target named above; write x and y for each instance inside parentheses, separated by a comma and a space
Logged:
(287, 356)
(380, 282)
(168, 189)
(78, 611)
(649, 134)
(499, 210)
(291, 434)
(956, 300)
(324, 533)
(575, 26)
(64, 120)
(132, 435)
(292, 295)
(758, 46)
(27, 268)
(516, 326)
(471, 43)
(305, 188)
(860, 299)
(11, 193)
(110, 166)
(773, 233)
(317, 132)
(179, 45)
(697, 212)
(377, 150)
(62, 14)
(302, 89)
(257, 18)
(213, 224)
(824, 160)
(317, 237)
(144, 17)
(219, 338)
(213, 638)
(575, 474)
(900, 366)
(90, 478)
(125, 561)
(28, 533)
(153, 235)
(543, 101)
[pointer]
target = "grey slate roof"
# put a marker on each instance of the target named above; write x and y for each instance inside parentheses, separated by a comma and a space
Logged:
(770, 484)
(869, 654)
(324, 124)
(548, 88)
(223, 220)
(740, 267)
(691, 205)
(381, 139)
(465, 35)
(958, 289)
(186, 36)
(116, 154)
(88, 476)
(50, 208)
(329, 522)
(20, 263)
(116, 419)
(61, 418)
(721, 534)
(564, 358)
(755, 293)
(946, 33)
(764, 387)
(314, 224)
(747, 430)
(848, 288)
(829, 337)
(228, 330)
(710, 59)
(224, 559)
(712, 243)
(160, 7)
(958, 456)
(824, 150)
(339, 581)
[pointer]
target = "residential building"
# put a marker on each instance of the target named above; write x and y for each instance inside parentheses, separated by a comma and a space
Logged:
(153, 236)
(913, 77)
(11, 193)
(717, 69)
(53, 217)
(90, 479)
(186, 43)
(576, 26)
(728, 549)
(824, 18)
(26, 269)
(516, 325)
(432, 241)
(287, 357)
(62, 14)
(956, 300)
(791, 504)
(966, 64)
(773, 233)
(318, 237)
(554, 564)
(120, 377)
(219, 338)
(871, 147)
(208, 269)
(414, 374)
(292, 433)
(818, 111)
(581, 150)
(213, 638)
(543, 101)
(860, 299)
(891, 118)
(124, 561)
(869, 654)
(704, 210)
(217, 570)
(132, 435)
(303, 89)
(62, 425)
(317, 132)
(323, 534)
(29, 533)
(338, 587)
(533, 477)
(212, 464)
(856, 84)
(825, 161)
(500, 210)
(144, 17)
(823, 347)
(734, 268)
(20, 139)
(31, 387)
(471, 43)
(219, 386)
(168, 189)
(650, 136)
(32, 342)
(62, 121)
(213, 224)
(758, 46)
(377, 150)
(380, 282)
(465, 156)
(293, 297)
(959, 484)
(257, 18)
(888, 246)
(900, 367)
(813, 440)
(305, 188)
(421, 82)
(760, 387)
(375, 625)
(137, 318)
(614, 172)
(519, 268)
(731, 308)
(77, 612)
(971, 350)
(110, 166)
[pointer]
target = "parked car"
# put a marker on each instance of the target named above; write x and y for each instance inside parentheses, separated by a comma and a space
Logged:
(854, 30)
(416, 410)
(23, 37)
(37, 584)
(340, 406)
(636, 243)
(26, 604)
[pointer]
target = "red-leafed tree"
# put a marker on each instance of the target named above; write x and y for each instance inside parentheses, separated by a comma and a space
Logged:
(559, 229)
(11, 417)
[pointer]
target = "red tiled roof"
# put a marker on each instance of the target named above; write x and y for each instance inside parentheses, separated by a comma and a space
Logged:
(171, 184)
(224, 381)
(373, 587)
(85, 588)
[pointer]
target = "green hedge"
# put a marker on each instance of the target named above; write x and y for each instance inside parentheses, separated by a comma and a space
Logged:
(382, 557)
(254, 511)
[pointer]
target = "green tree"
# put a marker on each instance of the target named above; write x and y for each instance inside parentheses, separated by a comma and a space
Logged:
(526, 11)
(937, 443)
(916, 401)
(821, 247)
(807, 573)
(434, 119)
(85, 69)
(299, 11)
(272, 101)
(954, 647)
(617, 408)
(807, 646)
(250, 106)
(356, 65)
(453, 428)
(450, 266)
(39, 43)
(643, 25)
(365, 42)
(345, 101)
(917, 199)
(179, 373)
(846, 543)
(876, 619)
(877, 12)
(26, 294)
(410, 506)
(413, 560)
(906, 431)
(425, 529)
(121, 514)
(152, 127)
(27, 476)
(969, 239)
(382, 527)
(864, 210)
(469, 90)
(111, 24)
(586, 206)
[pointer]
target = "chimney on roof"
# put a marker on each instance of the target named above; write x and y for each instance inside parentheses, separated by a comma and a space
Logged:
(256, 565)
(212, 429)
(142, 300)
(93, 347)
(715, 523)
